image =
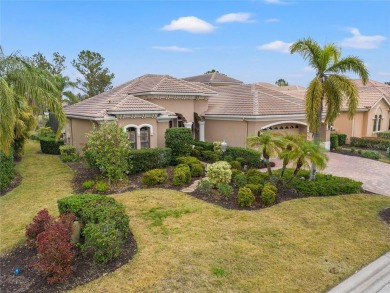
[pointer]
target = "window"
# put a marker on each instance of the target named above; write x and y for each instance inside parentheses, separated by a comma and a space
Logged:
(145, 137)
(375, 120)
(379, 122)
(132, 136)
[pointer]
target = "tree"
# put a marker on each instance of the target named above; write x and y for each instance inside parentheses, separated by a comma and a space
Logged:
(291, 141)
(268, 144)
(329, 87)
(55, 67)
(97, 79)
(211, 71)
(281, 82)
(22, 86)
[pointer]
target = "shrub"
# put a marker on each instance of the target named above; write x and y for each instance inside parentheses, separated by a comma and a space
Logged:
(148, 159)
(45, 132)
(225, 189)
(359, 152)
(268, 195)
(388, 151)
(95, 208)
(219, 172)
(338, 148)
(242, 161)
(102, 240)
(187, 160)
(68, 153)
(49, 145)
(342, 139)
(196, 170)
(229, 159)
(251, 157)
(353, 150)
(211, 156)
(156, 176)
(272, 187)
(101, 186)
(6, 169)
(217, 147)
(384, 134)
(235, 172)
(107, 149)
(254, 176)
(240, 180)
(205, 186)
(55, 251)
(88, 184)
(204, 145)
(181, 175)
(40, 222)
(235, 164)
(370, 142)
(245, 197)
(196, 153)
(180, 140)
(255, 188)
(334, 140)
(371, 155)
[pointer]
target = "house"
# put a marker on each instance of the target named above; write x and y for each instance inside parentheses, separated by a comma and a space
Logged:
(373, 111)
(214, 106)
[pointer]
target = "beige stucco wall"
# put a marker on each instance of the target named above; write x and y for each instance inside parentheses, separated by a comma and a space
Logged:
(76, 131)
(162, 127)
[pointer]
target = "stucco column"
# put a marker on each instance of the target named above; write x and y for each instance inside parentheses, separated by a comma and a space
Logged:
(201, 130)
(188, 125)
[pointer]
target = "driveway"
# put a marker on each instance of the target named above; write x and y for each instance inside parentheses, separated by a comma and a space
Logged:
(375, 175)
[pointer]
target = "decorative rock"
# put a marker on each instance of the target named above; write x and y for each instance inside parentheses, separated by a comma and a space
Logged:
(76, 228)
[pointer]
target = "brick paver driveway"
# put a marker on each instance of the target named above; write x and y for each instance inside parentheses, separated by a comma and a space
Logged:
(375, 175)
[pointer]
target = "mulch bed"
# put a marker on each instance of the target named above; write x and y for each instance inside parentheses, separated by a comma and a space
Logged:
(385, 215)
(30, 280)
(13, 184)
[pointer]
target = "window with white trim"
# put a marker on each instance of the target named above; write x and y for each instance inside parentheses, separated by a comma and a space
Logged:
(132, 136)
(145, 137)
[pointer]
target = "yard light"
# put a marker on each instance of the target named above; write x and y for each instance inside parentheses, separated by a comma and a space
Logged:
(223, 148)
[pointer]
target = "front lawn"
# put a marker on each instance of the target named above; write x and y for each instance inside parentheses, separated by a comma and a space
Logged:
(185, 244)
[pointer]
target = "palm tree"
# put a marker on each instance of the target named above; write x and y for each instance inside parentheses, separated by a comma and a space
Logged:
(306, 153)
(21, 86)
(268, 144)
(329, 87)
(291, 141)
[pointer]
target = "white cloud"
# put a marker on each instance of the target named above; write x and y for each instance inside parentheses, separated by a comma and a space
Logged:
(172, 48)
(270, 20)
(278, 46)
(235, 17)
(360, 41)
(190, 24)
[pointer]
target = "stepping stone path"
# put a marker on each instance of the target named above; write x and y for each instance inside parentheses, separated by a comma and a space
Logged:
(192, 187)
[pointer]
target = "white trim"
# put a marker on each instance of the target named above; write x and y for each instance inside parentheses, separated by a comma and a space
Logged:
(131, 125)
(147, 125)
(284, 122)
(254, 118)
(380, 99)
(105, 118)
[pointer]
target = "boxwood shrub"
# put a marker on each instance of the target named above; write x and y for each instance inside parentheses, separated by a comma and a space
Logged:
(180, 140)
(245, 197)
(68, 153)
(6, 169)
(49, 145)
(370, 142)
(342, 139)
(181, 174)
(204, 145)
(334, 140)
(384, 134)
(154, 177)
(148, 159)
(251, 157)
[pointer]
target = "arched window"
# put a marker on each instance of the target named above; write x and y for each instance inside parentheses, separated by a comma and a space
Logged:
(375, 121)
(132, 136)
(379, 122)
(145, 137)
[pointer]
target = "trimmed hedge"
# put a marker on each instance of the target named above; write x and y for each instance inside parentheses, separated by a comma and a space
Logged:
(50, 146)
(384, 134)
(342, 139)
(154, 177)
(370, 142)
(6, 169)
(180, 140)
(334, 140)
(250, 157)
(204, 145)
(148, 159)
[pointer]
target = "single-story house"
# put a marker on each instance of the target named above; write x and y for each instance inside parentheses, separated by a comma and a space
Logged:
(214, 106)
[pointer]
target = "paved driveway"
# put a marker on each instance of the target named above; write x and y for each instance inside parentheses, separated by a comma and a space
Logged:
(375, 175)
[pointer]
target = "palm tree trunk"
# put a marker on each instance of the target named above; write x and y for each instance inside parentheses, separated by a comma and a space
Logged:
(297, 169)
(266, 157)
(317, 139)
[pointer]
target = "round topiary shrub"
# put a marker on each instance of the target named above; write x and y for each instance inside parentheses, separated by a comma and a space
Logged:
(245, 197)
(239, 179)
(235, 164)
(101, 186)
(268, 195)
(88, 184)
(181, 175)
(219, 172)
(196, 170)
(225, 189)
(255, 188)
(154, 177)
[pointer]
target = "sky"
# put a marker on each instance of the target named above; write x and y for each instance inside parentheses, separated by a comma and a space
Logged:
(247, 40)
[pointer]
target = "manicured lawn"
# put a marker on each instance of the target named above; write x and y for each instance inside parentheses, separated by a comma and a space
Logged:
(185, 244)
(45, 180)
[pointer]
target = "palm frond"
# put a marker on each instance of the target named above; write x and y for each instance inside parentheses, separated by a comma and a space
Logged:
(313, 104)
(353, 64)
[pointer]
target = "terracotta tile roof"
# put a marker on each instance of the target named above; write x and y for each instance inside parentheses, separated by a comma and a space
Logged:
(253, 100)
(214, 77)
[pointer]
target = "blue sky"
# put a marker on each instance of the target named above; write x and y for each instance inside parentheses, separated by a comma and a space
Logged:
(247, 40)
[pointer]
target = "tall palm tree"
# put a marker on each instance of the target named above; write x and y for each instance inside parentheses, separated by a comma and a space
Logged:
(268, 144)
(23, 85)
(306, 153)
(330, 87)
(291, 141)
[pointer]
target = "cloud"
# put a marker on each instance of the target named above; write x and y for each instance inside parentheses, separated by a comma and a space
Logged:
(190, 24)
(273, 1)
(360, 41)
(270, 20)
(278, 46)
(235, 17)
(172, 48)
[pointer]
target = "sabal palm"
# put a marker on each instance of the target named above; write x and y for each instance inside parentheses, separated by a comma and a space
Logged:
(330, 86)
(22, 85)
(306, 153)
(268, 144)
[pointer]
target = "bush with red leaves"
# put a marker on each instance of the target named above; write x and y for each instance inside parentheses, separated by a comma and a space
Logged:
(55, 251)
(40, 221)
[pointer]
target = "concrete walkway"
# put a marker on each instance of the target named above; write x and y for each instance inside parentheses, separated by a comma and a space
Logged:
(374, 278)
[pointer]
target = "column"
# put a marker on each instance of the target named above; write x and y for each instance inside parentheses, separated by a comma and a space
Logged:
(188, 125)
(201, 130)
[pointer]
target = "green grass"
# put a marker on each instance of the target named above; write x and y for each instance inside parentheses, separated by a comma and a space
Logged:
(45, 180)
(185, 244)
